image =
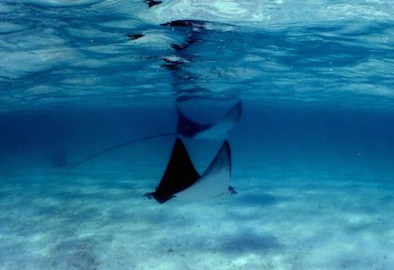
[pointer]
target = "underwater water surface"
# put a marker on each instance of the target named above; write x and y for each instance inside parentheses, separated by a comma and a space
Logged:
(312, 154)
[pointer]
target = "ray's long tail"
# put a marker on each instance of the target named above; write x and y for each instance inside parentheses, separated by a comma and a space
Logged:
(119, 146)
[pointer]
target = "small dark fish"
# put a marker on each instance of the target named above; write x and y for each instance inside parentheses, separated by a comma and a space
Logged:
(134, 36)
(152, 3)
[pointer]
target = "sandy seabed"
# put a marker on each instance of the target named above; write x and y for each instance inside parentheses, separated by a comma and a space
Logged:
(102, 221)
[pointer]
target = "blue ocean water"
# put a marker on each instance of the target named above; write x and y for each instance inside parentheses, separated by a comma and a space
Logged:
(313, 152)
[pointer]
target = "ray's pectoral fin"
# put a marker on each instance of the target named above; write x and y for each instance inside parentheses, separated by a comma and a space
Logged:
(181, 180)
(225, 124)
(179, 174)
(215, 181)
(189, 128)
